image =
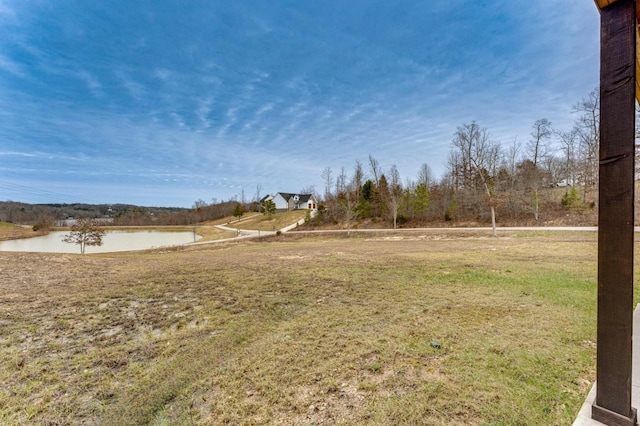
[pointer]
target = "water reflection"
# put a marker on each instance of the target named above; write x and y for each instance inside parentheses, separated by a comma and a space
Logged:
(112, 241)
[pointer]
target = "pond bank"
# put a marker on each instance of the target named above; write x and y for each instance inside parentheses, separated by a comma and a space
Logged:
(113, 241)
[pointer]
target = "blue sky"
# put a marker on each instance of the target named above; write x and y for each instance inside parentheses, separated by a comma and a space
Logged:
(162, 103)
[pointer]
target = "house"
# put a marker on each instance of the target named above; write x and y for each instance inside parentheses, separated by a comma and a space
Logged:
(266, 198)
(287, 201)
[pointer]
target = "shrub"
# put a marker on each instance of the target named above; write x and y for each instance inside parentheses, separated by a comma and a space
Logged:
(42, 226)
(238, 210)
(571, 200)
(451, 212)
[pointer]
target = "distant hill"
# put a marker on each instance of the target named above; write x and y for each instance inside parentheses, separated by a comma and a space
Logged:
(23, 213)
(121, 214)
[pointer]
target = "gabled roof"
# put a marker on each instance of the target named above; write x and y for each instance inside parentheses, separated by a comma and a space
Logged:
(302, 198)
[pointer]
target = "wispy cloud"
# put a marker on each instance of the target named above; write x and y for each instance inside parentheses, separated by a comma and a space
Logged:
(6, 12)
(162, 73)
(203, 111)
(92, 83)
(272, 95)
(11, 66)
(16, 153)
(136, 90)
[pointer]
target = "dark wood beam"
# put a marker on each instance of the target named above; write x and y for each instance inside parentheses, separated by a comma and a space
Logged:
(615, 217)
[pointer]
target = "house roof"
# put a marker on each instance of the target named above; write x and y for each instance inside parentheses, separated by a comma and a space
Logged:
(302, 198)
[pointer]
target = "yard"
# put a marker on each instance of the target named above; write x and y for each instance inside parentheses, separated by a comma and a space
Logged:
(420, 328)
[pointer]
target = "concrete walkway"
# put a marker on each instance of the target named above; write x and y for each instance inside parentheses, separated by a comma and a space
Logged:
(242, 234)
(584, 416)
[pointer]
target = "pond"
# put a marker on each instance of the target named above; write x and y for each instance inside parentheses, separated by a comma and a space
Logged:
(112, 241)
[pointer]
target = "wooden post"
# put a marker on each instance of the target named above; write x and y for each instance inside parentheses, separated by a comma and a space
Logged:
(615, 217)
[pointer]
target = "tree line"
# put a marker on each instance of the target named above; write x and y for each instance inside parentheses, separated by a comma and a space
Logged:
(553, 173)
(45, 216)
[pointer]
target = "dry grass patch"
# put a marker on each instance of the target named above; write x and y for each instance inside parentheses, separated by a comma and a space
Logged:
(311, 331)
(210, 233)
(9, 231)
(276, 221)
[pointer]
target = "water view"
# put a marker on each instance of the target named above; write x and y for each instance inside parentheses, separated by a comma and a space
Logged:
(112, 241)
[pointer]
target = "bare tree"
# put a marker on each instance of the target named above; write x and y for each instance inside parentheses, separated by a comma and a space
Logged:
(381, 197)
(587, 128)
(45, 221)
(311, 189)
(453, 177)
(395, 194)
(508, 179)
(198, 210)
(510, 160)
(347, 202)
(425, 176)
(475, 158)
(538, 151)
(328, 182)
(258, 190)
(553, 167)
(358, 179)
(341, 181)
(475, 151)
(569, 147)
(488, 179)
(512, 156)
(376, 170)
(537, 148)
(85, 232)
(198, 204)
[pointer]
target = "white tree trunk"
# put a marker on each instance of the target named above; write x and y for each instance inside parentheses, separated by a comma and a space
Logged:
(493, 221)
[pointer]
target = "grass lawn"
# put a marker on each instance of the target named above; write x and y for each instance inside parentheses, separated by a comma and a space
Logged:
(421, 328)
(254, 221)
